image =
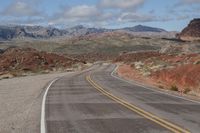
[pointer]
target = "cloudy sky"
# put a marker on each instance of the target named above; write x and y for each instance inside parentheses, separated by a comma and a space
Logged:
(168, 14)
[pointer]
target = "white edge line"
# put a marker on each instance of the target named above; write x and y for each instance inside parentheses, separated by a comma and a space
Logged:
(112, 74)
(43, 122)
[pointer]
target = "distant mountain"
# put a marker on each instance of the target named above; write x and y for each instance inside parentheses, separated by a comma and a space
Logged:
(141, 28)
(191, 32)
(81, 30)
(11, 32)
(39, 32)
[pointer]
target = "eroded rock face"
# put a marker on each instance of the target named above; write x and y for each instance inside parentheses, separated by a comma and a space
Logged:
(191, 32)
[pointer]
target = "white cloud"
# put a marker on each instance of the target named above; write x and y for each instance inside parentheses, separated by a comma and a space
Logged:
(191, 1)
(182, 17)
(96, 13)
(29, 21)
(187, 3)
(81, 14)
(104, 12)
(81, 11)
(136, 17)
(121, 4)
(19, 8)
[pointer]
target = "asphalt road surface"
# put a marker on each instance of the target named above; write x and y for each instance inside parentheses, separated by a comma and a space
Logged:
(95, 101)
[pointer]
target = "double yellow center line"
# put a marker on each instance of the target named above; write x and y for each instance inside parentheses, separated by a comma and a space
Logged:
(145, 114)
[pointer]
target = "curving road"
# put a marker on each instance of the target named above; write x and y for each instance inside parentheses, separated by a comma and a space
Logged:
(96, 101)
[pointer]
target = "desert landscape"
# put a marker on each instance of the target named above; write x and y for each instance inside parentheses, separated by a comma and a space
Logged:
(170, 61)
(162, 58)
(114, 74)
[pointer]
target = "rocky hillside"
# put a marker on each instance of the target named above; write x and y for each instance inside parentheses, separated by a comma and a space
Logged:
(177, 72)
(35, 32)
(191, 32)
(17, 61)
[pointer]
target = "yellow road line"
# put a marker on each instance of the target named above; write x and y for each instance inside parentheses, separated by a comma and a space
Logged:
(163, 123)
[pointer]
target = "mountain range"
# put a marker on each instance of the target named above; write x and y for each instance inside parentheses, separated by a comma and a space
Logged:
(39, 32)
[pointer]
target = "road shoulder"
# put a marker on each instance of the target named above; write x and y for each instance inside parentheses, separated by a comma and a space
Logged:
(20, 100)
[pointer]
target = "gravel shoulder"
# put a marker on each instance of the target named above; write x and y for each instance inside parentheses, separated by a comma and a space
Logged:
(20, 102)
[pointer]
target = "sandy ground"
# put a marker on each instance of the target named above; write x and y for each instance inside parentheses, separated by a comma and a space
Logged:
(20, 102)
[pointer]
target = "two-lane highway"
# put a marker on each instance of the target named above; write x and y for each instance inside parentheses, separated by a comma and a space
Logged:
(97, 102)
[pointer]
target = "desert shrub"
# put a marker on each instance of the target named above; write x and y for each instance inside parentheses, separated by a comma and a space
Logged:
(174, 88)
(187, 90)
(161, 87)
(197, 62)
(132, 65)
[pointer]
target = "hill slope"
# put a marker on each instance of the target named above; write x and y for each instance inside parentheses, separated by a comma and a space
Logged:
(191, 32)
(17, 61)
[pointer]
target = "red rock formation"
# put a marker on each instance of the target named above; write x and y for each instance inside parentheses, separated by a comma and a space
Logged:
(191, 32)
